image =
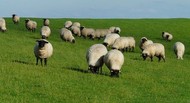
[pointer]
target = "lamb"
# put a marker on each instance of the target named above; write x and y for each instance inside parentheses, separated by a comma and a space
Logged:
(110, 39)
(45, 32)
(87, 32)
(66, 35)
(68, 24)
(167, 36)
(3, 25)
(144, 42)
(155, 49)
(94, 57)
(114, 60)
(179, 50)
(124, 43)
(76, 30)
(15, 18)
(43, 50)
(31, 25)
(77, 24)
(46, 22)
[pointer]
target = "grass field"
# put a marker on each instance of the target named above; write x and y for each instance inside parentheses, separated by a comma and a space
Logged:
(66, 80)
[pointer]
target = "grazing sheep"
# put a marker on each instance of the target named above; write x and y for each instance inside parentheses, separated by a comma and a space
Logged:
(76, 30)
(46, 22)
(15, 19)
(114, 60)
(155, 49)
(110, 39)
(115, 30)
(31, 25)
(167, 36)
(66, 35)
(76, 24)
(101, 33)
(45, 32)
(124, 43)
(43, 50)
(3, 25)
(68, 24)
(144, 42)
(94, 57)
(87, 32)
(179, 50)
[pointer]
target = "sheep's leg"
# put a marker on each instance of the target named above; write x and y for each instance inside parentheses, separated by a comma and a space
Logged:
(163, 59)
(41, 61)
(159, 58)
(151, 58)
(45, 61)
(37, 61)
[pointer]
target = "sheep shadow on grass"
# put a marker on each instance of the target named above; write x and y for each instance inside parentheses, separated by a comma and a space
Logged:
(22, 62)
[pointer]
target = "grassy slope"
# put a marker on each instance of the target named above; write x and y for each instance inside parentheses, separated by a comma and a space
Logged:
(65, 78)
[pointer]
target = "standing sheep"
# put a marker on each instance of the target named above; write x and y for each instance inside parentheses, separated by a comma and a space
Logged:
(15, 19)
(101, 33)
(155, 49)
(77, 24)
(76, 30)
(3, 25)
(87, 32)
(179, 50)
(31, 25)
(110, 39)
(43, 50)
(144, 42)
(115, 29)
(46, 22)
(94, 57)
(45, 32)
(66, 35)
(68, 24)
(114, 60)
(167, 36)
(124, 43)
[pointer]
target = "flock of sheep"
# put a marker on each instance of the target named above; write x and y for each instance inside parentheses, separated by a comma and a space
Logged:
(97, 54)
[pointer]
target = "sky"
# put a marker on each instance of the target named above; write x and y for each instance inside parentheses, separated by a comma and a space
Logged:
(96, 8)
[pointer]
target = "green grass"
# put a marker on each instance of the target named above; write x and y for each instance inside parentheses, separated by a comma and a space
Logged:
(65, 79)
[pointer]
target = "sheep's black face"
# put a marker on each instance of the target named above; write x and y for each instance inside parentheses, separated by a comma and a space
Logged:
(82, 27)
(73, 41)
(105, 44)
(26, 21)
(144, 55)
(116, 31)
(13, 15)
(143, 40)
(41, 43)
(93, 69)
(115, 73)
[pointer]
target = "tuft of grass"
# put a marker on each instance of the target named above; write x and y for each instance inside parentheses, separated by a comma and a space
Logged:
(66, 78)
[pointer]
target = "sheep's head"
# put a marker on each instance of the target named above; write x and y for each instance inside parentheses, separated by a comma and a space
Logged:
(41, 43)
(27, 20)
(105, 44)
(82, 27)
(93, 69)
(14, 15)
(115, 73)
(73, 41)
(3, 29)
(145, 55)
(143, 39)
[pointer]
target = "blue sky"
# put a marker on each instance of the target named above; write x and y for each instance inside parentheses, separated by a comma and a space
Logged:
(96, 8)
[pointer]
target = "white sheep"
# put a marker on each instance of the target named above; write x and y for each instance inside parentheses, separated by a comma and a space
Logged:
(87, 32)
(179, 50)
(110, 39)
(31, 25)
(46, 22)
(124, 43)
(43, 50)
(167, 36)
(114, 29)
(15, 18)
(144, 42)
(94, 57)
(45, 32)
(114, 60)
(101, 33)
(66, 35)
(76, 24)
(68, 24)
(76, 30)
(3, 25)
(155, 49)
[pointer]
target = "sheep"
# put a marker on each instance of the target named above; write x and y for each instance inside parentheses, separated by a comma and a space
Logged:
(46, 22)
(31, 25)
(155, 49)
(76, 24)
(66, 35)
(43, 50)
(179, 50)
(45, 32)
(167, 36)
(3, 25)
(94, 57)
(68, 24)
(15, 18)
(87, 32)
(144, 42)
(124, 43)
(115, 30)
(76, 30)
(110, 39)
(114, 60)
(101, 33)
